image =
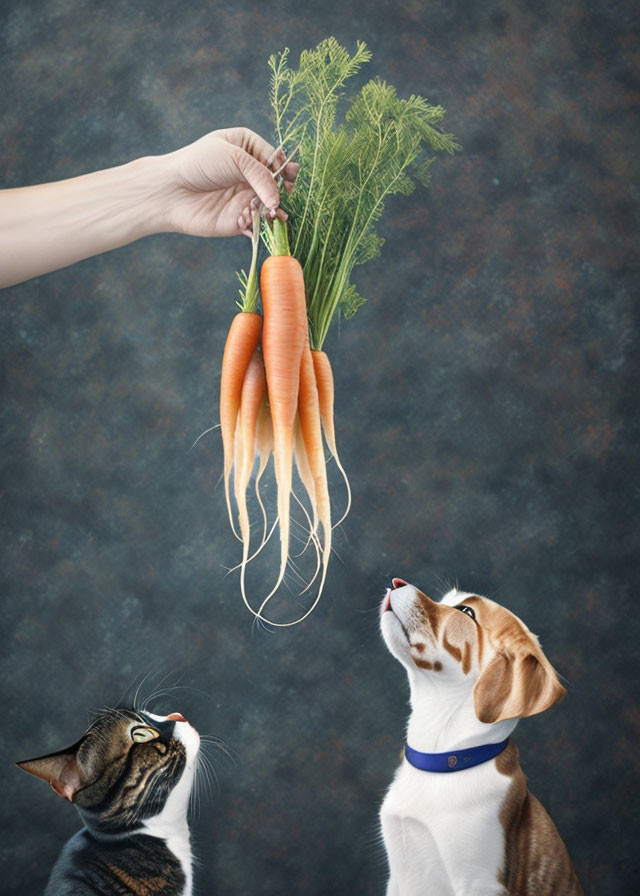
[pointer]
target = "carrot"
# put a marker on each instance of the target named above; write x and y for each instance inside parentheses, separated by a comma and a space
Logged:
(310, 427)
(253, 393)
(242, 339)
(324, 380)
(311, 465)
(264, 447)
(283, 338)
(306, 478)
(304, 472)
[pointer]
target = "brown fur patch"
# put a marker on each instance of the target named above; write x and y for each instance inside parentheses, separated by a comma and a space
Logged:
(425, 664)
(534, 679)
(507, 761)
(530, 686)
(502, 626)
(493, 688)
(477, 605)
(455, 652)
(419, 646)
(430, 612)
(536, 859)
(466, 659)
(140, 886)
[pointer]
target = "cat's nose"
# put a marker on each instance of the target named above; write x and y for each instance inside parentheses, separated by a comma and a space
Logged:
(398, 583)
(176, 717)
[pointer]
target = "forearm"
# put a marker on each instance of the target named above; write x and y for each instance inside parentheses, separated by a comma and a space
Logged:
(49, 226)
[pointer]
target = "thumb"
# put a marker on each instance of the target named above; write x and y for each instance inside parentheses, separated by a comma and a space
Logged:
(259, 178)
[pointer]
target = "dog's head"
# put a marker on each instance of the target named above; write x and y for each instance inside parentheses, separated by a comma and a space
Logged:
(470, 646)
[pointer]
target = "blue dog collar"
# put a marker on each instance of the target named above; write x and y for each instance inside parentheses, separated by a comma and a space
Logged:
(455, 761)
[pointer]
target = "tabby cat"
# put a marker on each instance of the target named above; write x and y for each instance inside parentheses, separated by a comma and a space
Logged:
(130, 777)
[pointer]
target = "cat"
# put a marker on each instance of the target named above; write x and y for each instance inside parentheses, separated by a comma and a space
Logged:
(130, 777)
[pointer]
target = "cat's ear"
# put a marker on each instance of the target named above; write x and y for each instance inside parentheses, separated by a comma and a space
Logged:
(61, 770)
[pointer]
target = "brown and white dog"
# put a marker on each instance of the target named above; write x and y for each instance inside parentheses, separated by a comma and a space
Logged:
(474, 669)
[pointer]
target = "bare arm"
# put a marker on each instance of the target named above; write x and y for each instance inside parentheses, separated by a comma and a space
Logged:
(204, 189)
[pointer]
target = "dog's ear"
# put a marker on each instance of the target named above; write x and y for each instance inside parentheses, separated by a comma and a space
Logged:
(516, 686)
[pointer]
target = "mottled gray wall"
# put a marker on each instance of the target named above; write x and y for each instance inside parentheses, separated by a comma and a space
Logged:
(485, 414)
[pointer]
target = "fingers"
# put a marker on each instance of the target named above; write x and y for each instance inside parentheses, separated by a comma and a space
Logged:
(259, 179)
(279, 165)
(245, 218)
(249, 141)
(232, 166)
(244, 221)
(273, 158)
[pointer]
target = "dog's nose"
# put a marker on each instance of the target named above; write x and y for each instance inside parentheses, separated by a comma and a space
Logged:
(398, 583)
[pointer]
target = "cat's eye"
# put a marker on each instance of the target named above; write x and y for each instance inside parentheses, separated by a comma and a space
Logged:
(468, 610)
(141, 734)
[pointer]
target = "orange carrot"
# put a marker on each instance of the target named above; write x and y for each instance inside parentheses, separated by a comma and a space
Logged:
(310, 427)
(243, 337)
(304, 472)
(264, 447)
(324, 380)
(283, 338)
(254, 390)
(253, 395)
(306, 478)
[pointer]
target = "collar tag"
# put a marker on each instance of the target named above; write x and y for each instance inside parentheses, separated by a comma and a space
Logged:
(455, 761)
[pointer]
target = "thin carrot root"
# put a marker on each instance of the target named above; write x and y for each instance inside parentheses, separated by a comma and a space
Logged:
(264, 447)
(324, 380)
(253, 399)
(310, 426)
(304, 472)
(253, 394)
(312, 538)
(242, 340)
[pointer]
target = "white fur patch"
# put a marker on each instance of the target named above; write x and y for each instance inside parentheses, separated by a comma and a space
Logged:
(442, 831)
(171, 824)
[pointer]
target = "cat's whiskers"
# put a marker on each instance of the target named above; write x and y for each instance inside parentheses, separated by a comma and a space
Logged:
(205, 781)
(126, 774)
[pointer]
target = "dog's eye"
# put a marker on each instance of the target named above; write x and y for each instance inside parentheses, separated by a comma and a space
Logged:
(468, 610)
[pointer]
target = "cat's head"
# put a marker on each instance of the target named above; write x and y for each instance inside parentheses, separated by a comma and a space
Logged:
(128, 767)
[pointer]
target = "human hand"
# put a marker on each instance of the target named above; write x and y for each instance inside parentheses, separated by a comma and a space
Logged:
(213, 183)
(208, 188)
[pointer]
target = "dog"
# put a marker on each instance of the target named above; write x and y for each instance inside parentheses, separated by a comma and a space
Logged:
(458, 817)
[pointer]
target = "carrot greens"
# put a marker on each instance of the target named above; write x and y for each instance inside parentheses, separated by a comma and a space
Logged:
(383, 146)
(249, 291)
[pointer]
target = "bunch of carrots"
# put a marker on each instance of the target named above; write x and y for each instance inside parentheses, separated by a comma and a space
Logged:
(276, 396)
(277, 387)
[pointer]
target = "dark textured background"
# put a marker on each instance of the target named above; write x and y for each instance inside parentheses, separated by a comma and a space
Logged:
(485, 414)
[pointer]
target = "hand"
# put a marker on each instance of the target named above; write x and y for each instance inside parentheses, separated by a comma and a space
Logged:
(215, 182)
(205, 189)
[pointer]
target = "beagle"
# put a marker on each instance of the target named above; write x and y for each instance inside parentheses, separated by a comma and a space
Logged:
(458, 818)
